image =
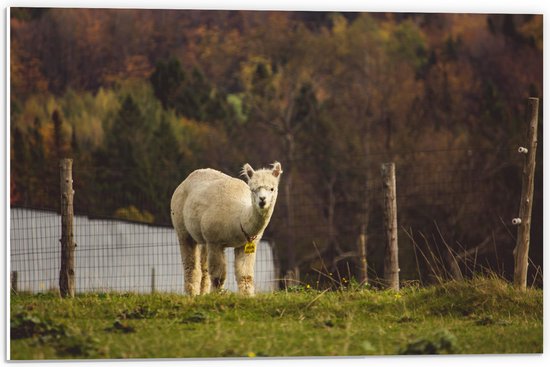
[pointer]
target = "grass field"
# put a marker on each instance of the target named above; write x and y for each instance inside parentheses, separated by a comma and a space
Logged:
(483, 315)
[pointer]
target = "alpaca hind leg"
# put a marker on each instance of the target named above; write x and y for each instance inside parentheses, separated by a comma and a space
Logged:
(190, 256)
(244, 271)
(205, 280)
(216, 266)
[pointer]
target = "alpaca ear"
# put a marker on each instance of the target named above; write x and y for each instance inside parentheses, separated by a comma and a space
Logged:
(277, 170)
(248, 171)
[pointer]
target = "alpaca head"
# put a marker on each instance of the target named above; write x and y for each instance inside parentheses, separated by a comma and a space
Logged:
(263, 185)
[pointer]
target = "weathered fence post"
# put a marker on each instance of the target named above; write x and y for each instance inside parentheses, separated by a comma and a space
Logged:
(391, 263)
(67, 272)
(153, 285)
(362, 251)
(13, 281)
(292, 277)
(521, 252)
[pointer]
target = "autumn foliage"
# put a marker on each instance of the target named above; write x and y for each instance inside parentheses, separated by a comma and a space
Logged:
(140, 98)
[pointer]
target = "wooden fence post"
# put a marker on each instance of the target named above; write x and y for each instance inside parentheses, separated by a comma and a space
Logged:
(521, 252)
(391, 263)
(362, 251)
(67, 272)
(153, 285)
(13, 281)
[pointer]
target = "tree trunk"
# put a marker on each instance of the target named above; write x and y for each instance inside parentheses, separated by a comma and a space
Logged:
(362, 252)
(288, 181)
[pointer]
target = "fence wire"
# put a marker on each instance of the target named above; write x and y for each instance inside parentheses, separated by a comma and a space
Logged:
(111, 255)
(451, 204)
(454, 212)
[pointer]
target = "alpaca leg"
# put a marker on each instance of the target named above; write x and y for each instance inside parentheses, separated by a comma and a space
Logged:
(205, 280)
(216, 266)
(244, 271)
(190, 256)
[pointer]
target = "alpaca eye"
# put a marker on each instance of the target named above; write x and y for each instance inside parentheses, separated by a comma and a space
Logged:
(272, 189)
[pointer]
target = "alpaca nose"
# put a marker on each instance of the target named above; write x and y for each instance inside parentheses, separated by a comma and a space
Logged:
(262, 201)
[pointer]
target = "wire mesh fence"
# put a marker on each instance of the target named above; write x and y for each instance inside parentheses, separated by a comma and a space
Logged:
(454, 220)
(454, 211)
(111, 255)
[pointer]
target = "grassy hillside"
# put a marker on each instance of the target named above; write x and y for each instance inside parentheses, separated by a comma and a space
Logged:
(478, 316)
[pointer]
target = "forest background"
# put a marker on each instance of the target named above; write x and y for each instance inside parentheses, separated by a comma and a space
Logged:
(140, 98)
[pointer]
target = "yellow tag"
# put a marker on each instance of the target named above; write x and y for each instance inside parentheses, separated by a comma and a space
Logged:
(249, 248)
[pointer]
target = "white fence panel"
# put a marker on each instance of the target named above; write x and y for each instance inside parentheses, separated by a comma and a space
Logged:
(111, 255)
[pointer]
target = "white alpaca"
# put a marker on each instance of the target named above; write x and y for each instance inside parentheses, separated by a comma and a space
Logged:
(210, 211)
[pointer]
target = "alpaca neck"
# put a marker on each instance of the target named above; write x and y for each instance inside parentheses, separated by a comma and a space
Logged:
(253, 222)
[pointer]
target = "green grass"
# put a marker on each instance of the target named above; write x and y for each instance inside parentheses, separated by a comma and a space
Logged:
(483, 315)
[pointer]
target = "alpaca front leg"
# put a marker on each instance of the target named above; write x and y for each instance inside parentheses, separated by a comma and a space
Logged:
(244, 271)
(205, 280)
(191, 267)
(216, 266)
